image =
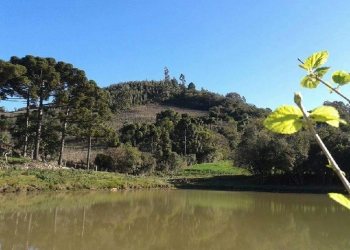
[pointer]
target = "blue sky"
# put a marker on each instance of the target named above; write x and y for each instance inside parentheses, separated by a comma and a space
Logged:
(249, 47)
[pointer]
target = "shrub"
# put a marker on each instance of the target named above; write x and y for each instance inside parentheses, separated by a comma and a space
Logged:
(126, 159)
(148, 164)
(104, 162)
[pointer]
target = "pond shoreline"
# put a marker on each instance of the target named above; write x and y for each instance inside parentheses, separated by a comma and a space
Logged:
(307, 189)
(28, 180)
(38, 180)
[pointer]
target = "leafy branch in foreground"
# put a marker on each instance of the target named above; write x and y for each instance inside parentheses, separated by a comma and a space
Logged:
(290, 119)
(315, 73)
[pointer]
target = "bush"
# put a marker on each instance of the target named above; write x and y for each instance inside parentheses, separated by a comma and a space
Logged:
(176, 161)
(191, 159)
(264, 153)
(104, 162)
(148, 164)
(126, 159)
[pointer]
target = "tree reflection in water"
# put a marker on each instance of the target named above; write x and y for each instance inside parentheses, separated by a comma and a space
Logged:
(172, 219)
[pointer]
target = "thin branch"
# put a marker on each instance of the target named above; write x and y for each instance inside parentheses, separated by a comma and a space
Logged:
(333, 89)
(300, 61)
(328, 85)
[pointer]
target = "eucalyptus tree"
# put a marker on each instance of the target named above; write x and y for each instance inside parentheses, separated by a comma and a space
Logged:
(184, 133)
(182, 79)
(166, 75)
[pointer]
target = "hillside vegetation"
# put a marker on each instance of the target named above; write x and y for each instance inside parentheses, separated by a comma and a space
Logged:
(151, 127)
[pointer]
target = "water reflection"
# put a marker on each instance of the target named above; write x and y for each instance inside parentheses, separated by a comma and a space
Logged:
(172, 219)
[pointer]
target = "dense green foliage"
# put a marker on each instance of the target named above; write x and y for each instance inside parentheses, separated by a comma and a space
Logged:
(60, 101)
(296, 156)
(125, 95)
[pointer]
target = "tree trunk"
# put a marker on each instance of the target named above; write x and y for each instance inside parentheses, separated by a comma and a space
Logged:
(63, 137)
(185, 141)
(25, 147)
(89, 152)
(39, 125)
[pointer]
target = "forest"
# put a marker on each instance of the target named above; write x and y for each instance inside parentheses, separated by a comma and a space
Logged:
(63, 107)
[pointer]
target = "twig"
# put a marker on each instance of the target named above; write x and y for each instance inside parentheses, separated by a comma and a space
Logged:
(333, 89)
(327, 85)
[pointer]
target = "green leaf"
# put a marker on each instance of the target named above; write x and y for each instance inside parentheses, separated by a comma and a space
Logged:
(341, 199)
(309, 82)
(320, 72)
(303, 66)
(326, 114)
(316, 60)
(285, 120)
(341, 77)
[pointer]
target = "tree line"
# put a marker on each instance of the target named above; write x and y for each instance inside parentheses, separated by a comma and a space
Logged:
(62, 104)
(57, 96)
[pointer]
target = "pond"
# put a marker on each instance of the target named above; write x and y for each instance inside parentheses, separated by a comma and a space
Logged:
(172, 219)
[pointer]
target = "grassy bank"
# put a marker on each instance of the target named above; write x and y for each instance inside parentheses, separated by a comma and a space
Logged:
(223, 176)
(41, 180)
(215, 176)
(221, 168)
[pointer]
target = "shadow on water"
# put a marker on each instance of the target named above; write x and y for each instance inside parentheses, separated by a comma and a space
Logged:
(250, 183)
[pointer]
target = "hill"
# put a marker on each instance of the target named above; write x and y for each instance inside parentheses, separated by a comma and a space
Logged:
(127, 94)
(147, 113)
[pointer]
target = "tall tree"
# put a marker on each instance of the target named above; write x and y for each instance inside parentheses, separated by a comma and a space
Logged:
(166, 75)
(24, 88)
(44, 79)
(182, 79)
(91, 114)
(72, 82)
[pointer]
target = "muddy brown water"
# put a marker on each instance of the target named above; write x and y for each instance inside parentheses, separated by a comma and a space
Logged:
(172, 219)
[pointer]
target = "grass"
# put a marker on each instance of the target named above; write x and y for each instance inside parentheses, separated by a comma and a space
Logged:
(14, 160)
(15, 180)
(41, 180)
(224, 176)
(215, 176)
(212, 169)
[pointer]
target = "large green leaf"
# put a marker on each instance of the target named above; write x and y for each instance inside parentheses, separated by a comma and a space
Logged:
(341, 77)
(309, 82)
(285, 120)
(316, 60)
(326, 114)
(341, 199)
